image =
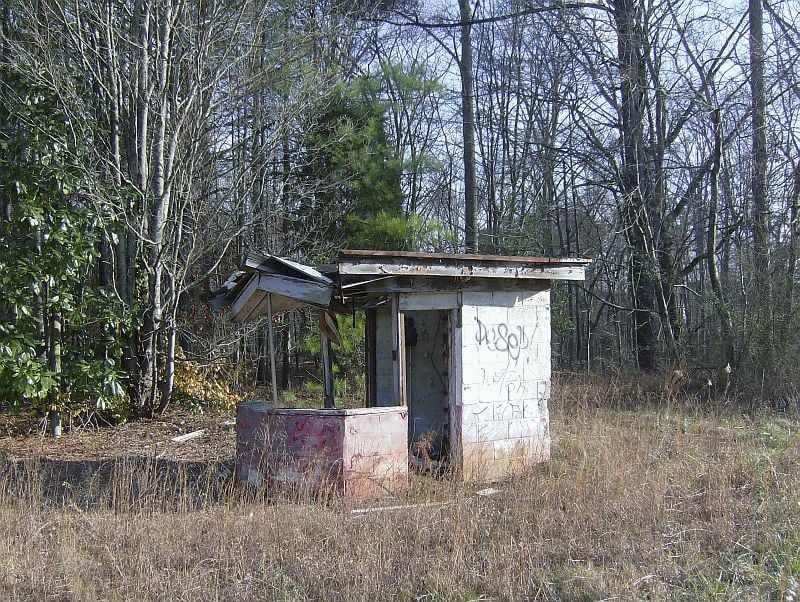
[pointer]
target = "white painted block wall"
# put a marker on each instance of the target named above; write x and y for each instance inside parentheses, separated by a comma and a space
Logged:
(500, 381)
(505, 369)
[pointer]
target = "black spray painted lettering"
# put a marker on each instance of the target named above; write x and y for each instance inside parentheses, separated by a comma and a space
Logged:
(503, 339)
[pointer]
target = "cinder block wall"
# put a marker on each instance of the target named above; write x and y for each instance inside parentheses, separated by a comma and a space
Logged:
(501, 419)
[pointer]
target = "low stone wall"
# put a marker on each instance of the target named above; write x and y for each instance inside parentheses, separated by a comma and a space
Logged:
(361, 453)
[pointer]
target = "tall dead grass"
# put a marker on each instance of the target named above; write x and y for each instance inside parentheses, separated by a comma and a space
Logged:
(664, 502)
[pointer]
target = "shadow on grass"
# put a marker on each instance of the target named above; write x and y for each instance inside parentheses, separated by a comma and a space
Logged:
(129, 483)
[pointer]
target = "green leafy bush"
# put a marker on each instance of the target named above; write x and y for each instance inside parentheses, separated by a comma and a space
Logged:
(59, 329)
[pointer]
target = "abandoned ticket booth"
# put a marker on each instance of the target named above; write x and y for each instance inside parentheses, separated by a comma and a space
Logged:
(457, 368)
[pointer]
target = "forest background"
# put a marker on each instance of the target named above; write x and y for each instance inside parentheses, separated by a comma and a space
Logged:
(146, 145)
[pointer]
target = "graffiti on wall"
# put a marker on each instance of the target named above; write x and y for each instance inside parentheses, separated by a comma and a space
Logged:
(516, 345)
(502, 338)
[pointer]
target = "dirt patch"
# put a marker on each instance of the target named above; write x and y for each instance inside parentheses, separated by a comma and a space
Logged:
(135, 465)
(22, 437)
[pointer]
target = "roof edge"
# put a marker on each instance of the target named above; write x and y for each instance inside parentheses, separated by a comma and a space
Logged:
(351, 254)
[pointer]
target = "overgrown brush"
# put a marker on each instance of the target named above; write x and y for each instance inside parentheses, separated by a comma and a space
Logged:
(661, 503)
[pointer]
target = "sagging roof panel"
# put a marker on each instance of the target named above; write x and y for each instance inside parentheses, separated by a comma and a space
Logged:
(273, 264)
(287, 293)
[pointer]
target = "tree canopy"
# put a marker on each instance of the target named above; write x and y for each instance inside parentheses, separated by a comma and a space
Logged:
(147, 144)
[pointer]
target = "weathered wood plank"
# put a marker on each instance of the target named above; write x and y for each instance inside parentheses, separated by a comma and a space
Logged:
(188, 436)
(305, 270)
(551, 272)
(426, 301)
(304, 291)
(245, 302)
(398, 352)
(351, 254)
(438, 284)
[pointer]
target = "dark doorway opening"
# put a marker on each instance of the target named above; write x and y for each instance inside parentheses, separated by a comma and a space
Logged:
(427, 339)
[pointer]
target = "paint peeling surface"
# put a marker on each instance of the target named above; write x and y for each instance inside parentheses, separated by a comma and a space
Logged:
(361, 453)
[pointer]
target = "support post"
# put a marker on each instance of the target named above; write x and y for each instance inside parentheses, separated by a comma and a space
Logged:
(327, 371)
(398, 352)
(370, 340)
(270, 330)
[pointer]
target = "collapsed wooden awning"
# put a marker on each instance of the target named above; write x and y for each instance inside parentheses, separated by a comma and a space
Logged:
(290, 285)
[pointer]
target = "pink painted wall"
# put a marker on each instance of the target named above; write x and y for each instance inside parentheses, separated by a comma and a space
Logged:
(375, 454)
(360, 452)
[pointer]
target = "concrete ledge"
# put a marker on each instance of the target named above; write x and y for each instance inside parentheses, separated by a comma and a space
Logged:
(263, 406)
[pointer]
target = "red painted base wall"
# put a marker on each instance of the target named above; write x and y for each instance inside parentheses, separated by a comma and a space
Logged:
(362, 453)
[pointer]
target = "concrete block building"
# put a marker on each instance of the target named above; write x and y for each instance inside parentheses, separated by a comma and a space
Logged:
(457, 351)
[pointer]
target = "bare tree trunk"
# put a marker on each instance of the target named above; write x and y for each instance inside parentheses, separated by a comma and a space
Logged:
(763, 351)
(139, 149)
(168, 381)
(262, 370)
(791, 263)
(54, 363)
(468, 125)
(711, 246)
(286, 347)
(161, 194)
(635, 218)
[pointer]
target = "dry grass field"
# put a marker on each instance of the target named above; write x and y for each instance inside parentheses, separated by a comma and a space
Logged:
(645, 498)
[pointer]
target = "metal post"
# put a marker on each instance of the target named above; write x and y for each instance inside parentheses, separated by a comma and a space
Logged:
(272, 351)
